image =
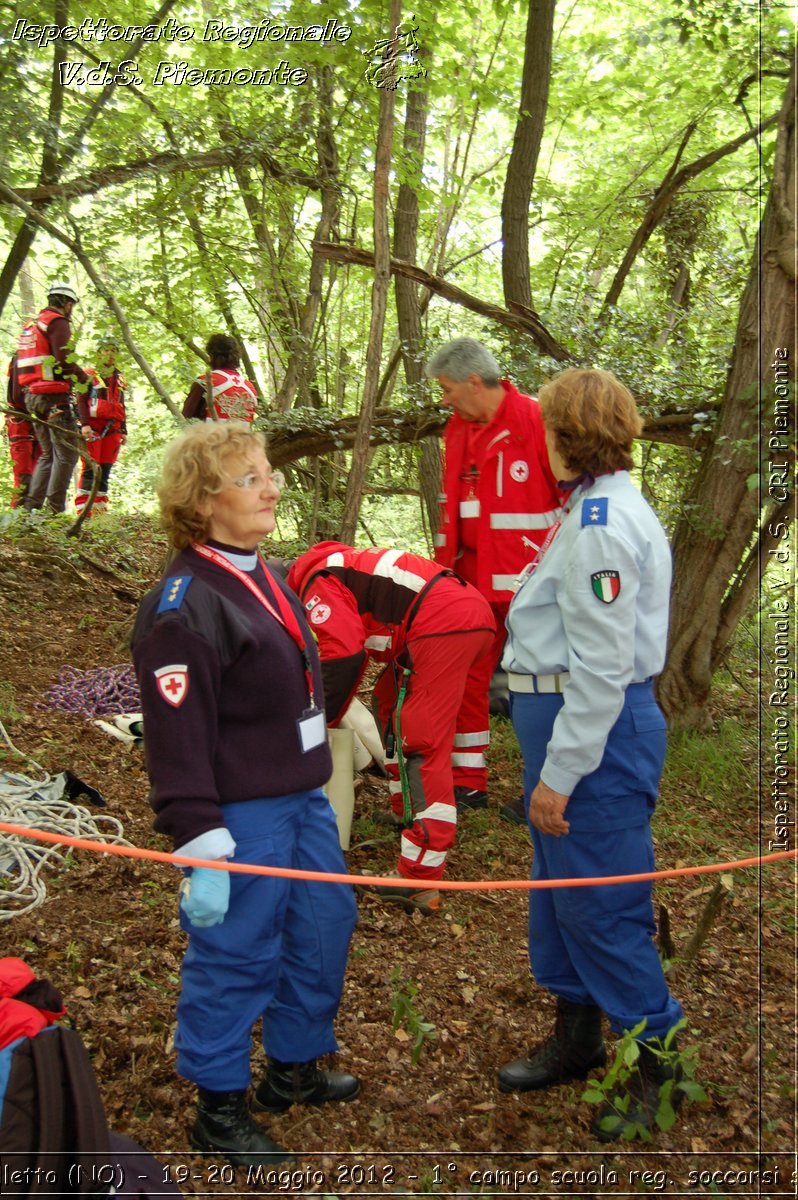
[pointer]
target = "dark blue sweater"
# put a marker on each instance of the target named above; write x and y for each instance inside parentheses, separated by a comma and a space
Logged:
(234, 735)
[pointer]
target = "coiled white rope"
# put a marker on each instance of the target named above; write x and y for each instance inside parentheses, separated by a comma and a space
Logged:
(40, 805)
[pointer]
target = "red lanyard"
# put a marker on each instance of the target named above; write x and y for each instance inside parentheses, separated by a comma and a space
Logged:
(285, 616)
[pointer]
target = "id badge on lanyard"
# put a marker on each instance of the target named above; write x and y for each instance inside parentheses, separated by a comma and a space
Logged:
(311, 726)
(312, 729)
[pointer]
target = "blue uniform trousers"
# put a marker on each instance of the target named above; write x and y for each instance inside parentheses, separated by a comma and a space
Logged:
(279, 954)
(594, 945)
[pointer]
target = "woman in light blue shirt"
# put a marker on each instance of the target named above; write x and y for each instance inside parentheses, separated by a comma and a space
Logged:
(587, 631)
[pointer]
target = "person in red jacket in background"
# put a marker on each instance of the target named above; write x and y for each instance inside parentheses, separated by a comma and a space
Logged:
(499, 501)
(234, 397)
(106, 429)
(429, 627)
(22, 445)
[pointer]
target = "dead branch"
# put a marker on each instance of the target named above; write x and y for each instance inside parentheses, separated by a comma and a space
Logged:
(521, 319)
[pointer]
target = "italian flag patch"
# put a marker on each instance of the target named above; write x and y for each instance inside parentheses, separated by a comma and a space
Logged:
(606, 585)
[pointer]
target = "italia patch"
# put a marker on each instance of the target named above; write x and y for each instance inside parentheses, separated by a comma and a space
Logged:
(172, 683)
(312, 602)
(606, 585)
(174, 591)
(320, 614)
(594, 512)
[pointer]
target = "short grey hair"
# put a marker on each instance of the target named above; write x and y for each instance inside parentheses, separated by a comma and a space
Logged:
(462, 357)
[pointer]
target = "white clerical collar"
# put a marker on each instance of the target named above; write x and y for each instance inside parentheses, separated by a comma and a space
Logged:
(245, 560)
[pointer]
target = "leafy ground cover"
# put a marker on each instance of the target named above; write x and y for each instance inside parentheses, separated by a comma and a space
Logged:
(431, 1006)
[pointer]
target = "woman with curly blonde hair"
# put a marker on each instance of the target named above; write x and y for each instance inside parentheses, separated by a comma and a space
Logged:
(237, 755)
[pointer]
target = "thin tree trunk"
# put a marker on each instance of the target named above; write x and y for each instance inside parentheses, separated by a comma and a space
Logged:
(379, 303)
(300, 365)
(524, 156)
(408, 308)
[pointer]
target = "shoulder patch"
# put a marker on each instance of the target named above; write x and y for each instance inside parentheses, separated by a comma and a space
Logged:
(594, 512)
(320, 614)
(174, 592)
(606, 585)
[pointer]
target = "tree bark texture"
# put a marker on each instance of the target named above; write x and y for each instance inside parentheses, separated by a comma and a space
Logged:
(723, 517)
(408, 307)
(330, 434)
(524, 155)
(299, 372)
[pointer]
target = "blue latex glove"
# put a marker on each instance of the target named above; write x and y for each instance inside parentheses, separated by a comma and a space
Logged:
(205, 896)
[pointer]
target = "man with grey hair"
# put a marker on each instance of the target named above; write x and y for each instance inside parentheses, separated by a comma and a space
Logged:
(498, 503)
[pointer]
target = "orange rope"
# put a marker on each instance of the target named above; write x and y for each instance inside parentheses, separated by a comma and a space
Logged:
(181, 860)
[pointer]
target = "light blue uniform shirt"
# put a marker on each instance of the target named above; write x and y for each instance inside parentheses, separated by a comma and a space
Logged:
(596, 605)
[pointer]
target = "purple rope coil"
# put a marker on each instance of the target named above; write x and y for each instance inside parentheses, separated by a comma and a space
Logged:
(100, 692)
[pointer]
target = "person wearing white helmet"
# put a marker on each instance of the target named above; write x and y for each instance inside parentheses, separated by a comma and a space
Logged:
(49, 376)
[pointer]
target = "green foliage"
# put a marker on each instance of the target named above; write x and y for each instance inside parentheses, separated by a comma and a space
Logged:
(613, 1087)
(406, 1015)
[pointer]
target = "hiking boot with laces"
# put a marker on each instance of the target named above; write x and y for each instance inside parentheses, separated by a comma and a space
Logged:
(571, 1052)
(302, 1083)
(224, 1126)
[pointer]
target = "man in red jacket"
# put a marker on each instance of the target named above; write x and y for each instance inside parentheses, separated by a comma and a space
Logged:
(48, 373)
(429, 627)
(499, 501)
(22, 444)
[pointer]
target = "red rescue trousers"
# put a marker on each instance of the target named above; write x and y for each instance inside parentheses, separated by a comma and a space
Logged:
(472, 734)
(104, 451)
(440, 663)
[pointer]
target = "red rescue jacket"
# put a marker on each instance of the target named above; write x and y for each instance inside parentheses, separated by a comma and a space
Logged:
(515, 494)
(37, 369)
(234, 397)
(360, 604)
(107, 405)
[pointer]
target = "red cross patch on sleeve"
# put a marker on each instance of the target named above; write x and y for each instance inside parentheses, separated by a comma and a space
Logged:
(172, 683)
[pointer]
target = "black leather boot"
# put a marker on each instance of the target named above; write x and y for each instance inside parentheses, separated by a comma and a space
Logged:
(643, 1088)
(224, 1126)
(301, 1083)
(571, 1052)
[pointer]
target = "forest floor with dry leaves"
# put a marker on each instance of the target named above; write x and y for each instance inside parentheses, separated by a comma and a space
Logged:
(108, 937)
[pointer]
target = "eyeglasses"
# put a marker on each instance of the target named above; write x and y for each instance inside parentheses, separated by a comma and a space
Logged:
(255, 482)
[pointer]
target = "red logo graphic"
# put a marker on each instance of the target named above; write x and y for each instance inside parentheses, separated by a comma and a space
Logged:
(320, 614)
(173, 683)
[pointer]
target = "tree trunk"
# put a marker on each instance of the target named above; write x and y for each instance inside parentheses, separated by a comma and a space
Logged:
(723, 515)
(524, 156)
(299, 373)
(408, 308)
(379, 304)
